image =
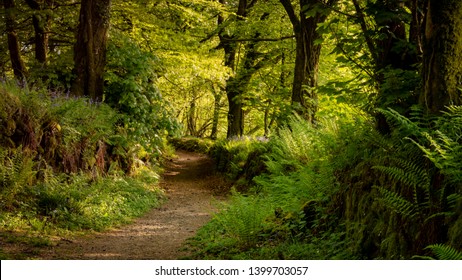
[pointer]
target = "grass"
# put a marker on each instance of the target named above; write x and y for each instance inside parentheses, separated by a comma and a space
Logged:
(76, 205)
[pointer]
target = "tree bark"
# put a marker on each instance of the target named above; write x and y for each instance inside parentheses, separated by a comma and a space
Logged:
(191, 117)
(41, 23)
(235, 110)
(19, 67)
(217, 94)
(235, 84)
(390, 49)
(308, 49)
(90, 49)
(442, 68)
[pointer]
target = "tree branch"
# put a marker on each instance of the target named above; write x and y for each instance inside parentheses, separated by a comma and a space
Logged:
(331, 7)
(261, 39)
(33, 4)
(362, 22)
(290, 12)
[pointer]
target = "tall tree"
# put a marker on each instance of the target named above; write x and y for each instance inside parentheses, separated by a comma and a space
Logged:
(245, 57)
(234, 85)
(394, 51)
(41, 22)
(14, 47)
(442, 68)
(308, 50)
(90, 49)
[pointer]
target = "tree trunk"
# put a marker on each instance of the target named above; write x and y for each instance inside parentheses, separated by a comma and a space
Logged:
(235, 111)
(217, 94)
(442, 68)
(304, 96)
(41, 39)
(308, 49)
(90, 49)
(191, 120)
(235, 84)
(390, 49)
(19, 67)
(415, 26)
(41, 23)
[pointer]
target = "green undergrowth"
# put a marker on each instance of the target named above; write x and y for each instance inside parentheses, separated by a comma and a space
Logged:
(342, 190)
(240, 160)
(68, 165)
(63, 204)
(290, 180)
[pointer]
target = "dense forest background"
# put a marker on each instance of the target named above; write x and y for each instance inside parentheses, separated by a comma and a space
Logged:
(338, 121)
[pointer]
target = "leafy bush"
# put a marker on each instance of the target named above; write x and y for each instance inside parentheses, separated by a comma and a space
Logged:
(240, 159)
(131, 89)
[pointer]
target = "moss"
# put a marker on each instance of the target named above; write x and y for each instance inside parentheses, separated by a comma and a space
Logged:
(455, 232)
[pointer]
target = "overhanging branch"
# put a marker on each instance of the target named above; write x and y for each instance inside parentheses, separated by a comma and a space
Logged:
(261, 39)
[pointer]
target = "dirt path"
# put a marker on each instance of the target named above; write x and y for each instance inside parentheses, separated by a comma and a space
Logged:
(192, 189)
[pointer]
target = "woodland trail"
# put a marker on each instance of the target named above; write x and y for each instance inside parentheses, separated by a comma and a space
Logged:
(191, 186)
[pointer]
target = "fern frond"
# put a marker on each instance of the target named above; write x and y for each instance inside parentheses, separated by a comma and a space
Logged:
(407, 177)
(454, 113)
(400, 122)
(412, 175)
(376, 138)
(397, 203)
(445, 252)
(439, 214)
(453, 199)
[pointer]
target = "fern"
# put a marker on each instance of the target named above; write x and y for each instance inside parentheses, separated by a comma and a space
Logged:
(403, 124)
(299, 143)
(445, 252)
(440, 146)
(243, 219)
(398, 204)
(444, 152)
(411, 175)
(414, 176)
(453, 199)
(16, 174)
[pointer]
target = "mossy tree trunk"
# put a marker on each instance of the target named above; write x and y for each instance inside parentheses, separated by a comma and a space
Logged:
(191, 116)
(235, 108)
(442, 67)
(90, 49)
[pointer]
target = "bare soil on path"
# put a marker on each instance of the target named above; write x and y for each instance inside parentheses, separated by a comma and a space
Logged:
(192, 190)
